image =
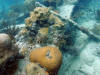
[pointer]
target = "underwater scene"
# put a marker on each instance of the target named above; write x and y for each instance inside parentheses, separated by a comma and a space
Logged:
(49, 37)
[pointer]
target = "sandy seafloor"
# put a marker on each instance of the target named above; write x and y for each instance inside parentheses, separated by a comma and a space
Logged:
(88, 60)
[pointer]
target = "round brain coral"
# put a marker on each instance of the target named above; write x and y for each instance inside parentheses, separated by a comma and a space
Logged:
(48, 57)
(35, 69)
(5, 40)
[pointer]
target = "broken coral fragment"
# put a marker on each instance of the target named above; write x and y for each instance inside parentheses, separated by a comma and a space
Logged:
(48, 57)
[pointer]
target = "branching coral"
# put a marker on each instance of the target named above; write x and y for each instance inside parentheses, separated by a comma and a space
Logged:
(48, 57)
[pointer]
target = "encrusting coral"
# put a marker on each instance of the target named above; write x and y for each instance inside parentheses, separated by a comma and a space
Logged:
(48, 57)
(35, 69)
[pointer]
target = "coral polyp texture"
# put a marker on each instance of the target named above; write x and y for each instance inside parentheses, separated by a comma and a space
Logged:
(48, 57)
(35, 69)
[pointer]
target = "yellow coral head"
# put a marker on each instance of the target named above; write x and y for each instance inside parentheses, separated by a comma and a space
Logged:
(48, 57)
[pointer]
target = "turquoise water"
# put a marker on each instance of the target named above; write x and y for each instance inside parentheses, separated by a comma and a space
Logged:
(81, 54)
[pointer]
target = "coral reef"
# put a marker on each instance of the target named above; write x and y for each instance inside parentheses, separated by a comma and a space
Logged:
(43, 29)
(39, 23)
(35, 69)
(44, 37)
(50, 58)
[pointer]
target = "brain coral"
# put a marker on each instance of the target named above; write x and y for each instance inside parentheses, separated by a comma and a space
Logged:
(8, 55)
(48, 57)
(5, 40)
(35, 69)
